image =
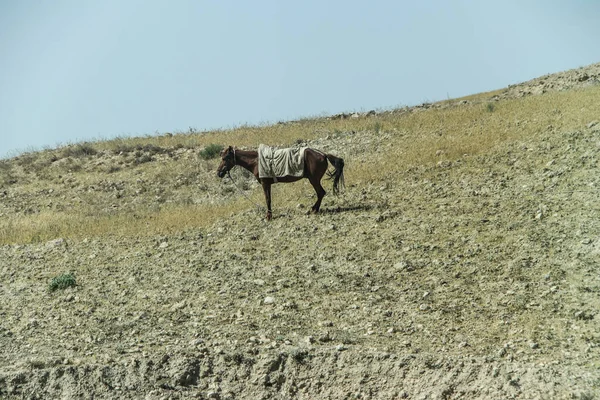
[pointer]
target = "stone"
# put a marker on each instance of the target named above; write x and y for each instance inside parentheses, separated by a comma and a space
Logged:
(55, 242)
(269, 300)
(178, 306)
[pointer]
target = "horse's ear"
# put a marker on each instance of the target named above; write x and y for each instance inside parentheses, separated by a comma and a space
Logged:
(230, 148)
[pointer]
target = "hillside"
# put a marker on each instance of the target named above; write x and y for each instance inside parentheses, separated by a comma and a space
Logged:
(460, 262)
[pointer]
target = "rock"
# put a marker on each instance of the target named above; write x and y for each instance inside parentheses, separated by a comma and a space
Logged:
(163, 245)
(583, 315)
(178, 306)
(592, 124)
(341, 347)
(401, 265)
(325, 337)
(534, 345)
(423, 307)
(55, 242)
(269, 300)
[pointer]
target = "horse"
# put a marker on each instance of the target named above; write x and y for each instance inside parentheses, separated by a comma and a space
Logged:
(315, 167)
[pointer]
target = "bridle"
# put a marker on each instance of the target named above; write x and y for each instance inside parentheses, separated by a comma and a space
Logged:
(259, 207)
(227, 166)
(234, 164)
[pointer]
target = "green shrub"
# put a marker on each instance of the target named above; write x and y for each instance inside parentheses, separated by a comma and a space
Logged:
(62, 282)
(377, 127)
(152, 149)
(490, 107)
(211, 151)
(123, 148)
(79, 150)
(143, 159)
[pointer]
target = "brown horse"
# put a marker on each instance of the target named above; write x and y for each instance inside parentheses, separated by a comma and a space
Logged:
(315, 166)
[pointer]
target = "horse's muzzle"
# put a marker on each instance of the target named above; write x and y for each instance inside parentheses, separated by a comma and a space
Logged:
(221, 174)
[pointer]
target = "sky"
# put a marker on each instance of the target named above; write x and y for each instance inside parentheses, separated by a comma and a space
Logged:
(83, 70)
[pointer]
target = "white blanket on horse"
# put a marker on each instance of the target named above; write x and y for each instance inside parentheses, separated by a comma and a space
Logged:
(274, 163)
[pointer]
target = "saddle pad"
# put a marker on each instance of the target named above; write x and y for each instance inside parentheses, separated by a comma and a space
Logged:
(274, 163)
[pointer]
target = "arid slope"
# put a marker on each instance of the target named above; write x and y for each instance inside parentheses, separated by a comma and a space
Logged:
(460, 262)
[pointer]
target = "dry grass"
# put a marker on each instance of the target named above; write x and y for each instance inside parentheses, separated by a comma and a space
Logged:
(48, 225)
(415, 139)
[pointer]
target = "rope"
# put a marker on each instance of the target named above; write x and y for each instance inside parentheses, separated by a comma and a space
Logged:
(258, 206)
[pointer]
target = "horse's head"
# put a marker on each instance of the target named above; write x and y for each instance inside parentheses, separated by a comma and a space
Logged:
(227, 161)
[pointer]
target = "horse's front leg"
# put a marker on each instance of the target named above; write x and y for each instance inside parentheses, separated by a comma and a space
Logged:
(267, 190)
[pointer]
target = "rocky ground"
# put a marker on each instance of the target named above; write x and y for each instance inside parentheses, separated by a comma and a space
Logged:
(474, 277)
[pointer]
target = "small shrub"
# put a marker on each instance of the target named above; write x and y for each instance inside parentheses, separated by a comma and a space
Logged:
(80, 150)
(62, 282)
(143, 159)
(123, 148)
(299, 355)
(152, 149)
(211, 151)
(27, 160)
(377, 127)
(490, 107)
(7, 176)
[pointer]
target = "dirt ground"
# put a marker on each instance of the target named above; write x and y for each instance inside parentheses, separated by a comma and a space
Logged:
(473, 278)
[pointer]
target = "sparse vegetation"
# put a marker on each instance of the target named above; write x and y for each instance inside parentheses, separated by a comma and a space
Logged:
(412, 142)
(211, 151)
(79, 150)
(377, 127)
(143, 158)
(62, 281)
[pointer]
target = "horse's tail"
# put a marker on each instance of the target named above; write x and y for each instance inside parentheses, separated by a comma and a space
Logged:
(338, 174)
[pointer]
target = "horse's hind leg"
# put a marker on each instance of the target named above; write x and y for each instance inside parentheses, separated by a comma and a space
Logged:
(320, 194)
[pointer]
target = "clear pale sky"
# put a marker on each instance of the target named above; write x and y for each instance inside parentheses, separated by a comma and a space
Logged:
(77, 70)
